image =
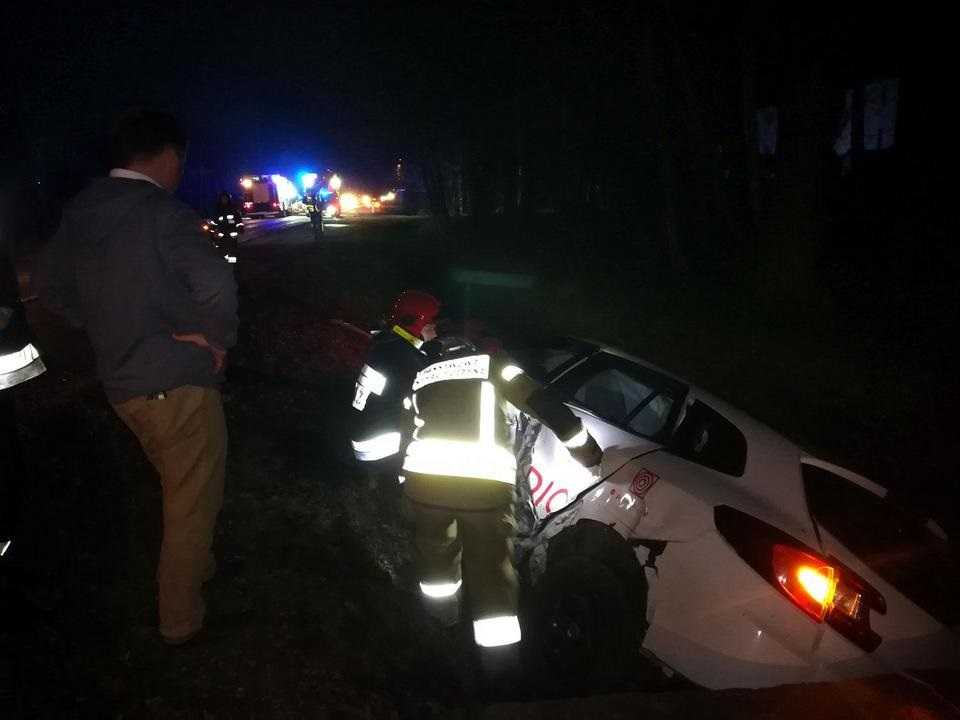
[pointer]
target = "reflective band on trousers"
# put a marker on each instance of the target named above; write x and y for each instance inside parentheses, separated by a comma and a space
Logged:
(458, 458)
(376, 448)
(578, 440)
(496, 631)
(440, 590)
(14, 361)
(509, 372)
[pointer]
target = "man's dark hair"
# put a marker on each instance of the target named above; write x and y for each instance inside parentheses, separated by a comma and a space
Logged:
(141, 134)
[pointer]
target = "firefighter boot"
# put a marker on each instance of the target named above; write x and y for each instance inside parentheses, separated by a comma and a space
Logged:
(445, 610)
(502, 670)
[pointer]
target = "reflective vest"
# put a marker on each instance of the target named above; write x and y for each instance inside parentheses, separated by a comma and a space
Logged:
(461, 405)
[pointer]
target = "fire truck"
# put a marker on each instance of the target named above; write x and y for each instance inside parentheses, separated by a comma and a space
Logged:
(267, 195)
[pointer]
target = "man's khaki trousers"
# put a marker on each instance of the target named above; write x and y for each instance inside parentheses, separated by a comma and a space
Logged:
(185, 438)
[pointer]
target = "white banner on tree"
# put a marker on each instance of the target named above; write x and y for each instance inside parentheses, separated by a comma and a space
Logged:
(767, 128)
(880, 114)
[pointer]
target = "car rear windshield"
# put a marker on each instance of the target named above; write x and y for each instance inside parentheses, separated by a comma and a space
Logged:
(892, 541)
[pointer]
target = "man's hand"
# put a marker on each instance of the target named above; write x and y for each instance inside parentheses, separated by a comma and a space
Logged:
(200, 340)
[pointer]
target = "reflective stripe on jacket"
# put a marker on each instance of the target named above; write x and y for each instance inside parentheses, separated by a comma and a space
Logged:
(378, 424)
(461, 405)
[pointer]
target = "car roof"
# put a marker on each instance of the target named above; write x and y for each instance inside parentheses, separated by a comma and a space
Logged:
(738, 417)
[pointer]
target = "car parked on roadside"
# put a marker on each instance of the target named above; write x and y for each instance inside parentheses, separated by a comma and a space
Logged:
(715, 547)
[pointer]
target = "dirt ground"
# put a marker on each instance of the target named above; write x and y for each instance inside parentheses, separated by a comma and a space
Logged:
(314, 611)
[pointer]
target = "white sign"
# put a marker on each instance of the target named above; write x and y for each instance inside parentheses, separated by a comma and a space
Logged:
(880, 114)
(475, 367)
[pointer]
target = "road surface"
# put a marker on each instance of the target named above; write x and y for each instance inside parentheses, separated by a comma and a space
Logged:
(278, 230)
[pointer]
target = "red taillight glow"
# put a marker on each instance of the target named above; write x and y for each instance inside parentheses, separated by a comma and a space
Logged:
(807, 580)
(823, 588)
(276, 204)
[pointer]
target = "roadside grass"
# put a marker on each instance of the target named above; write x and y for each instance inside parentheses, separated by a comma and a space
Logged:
(314, 612)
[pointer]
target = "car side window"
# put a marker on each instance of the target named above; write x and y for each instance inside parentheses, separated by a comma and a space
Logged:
(612, 393)
(652, 417)
(624, 393)
(707, 438)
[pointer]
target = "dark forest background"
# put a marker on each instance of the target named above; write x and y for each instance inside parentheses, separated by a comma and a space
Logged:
(610, 150)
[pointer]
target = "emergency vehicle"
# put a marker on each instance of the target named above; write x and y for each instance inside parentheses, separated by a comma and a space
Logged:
(263, 196)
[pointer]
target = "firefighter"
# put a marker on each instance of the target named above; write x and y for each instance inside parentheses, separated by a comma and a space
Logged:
(19, 361)
(393, 361)
(227, 226)
(459, 474)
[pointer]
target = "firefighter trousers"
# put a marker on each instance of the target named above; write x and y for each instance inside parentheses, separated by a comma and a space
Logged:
(184, 436)
(11, 468)
(464, 530)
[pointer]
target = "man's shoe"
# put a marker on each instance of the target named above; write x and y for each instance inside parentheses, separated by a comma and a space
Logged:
(181, 640)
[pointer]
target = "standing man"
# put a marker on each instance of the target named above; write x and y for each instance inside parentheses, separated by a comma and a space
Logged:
(460, 473)
(393, 362)
(132, 266)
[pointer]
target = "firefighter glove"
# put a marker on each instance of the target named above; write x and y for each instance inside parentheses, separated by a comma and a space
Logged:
(588, 454)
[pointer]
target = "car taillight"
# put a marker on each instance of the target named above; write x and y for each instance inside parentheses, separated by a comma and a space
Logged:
(823, 588)
(805, 579)
(276, 204)
(248, 204)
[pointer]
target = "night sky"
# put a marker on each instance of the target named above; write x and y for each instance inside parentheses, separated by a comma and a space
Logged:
(260, 88)
(274, 87)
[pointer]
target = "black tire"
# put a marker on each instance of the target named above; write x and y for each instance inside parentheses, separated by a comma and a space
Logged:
(589, 614)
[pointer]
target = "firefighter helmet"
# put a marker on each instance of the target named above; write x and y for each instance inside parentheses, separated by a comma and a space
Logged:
(413, 310)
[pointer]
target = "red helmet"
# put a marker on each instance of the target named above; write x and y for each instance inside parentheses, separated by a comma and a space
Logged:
(414, 309)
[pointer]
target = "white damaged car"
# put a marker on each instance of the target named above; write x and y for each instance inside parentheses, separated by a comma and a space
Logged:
(715, 547)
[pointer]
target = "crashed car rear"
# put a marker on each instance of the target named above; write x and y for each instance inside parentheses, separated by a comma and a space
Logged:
(715, 547)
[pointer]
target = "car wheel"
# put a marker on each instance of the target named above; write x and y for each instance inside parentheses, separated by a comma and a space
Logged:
(589, 613)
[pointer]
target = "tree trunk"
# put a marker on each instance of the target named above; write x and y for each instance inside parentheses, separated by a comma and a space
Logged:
(669, 220)
(748, 75)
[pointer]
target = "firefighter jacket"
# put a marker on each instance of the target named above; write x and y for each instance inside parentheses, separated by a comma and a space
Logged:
(379, 426)
(19, 359)
(461, 407)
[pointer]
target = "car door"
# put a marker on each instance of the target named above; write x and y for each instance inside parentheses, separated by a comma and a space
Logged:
(621, 403)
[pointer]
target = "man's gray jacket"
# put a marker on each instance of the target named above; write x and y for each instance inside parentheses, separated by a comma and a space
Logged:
(131, 265)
